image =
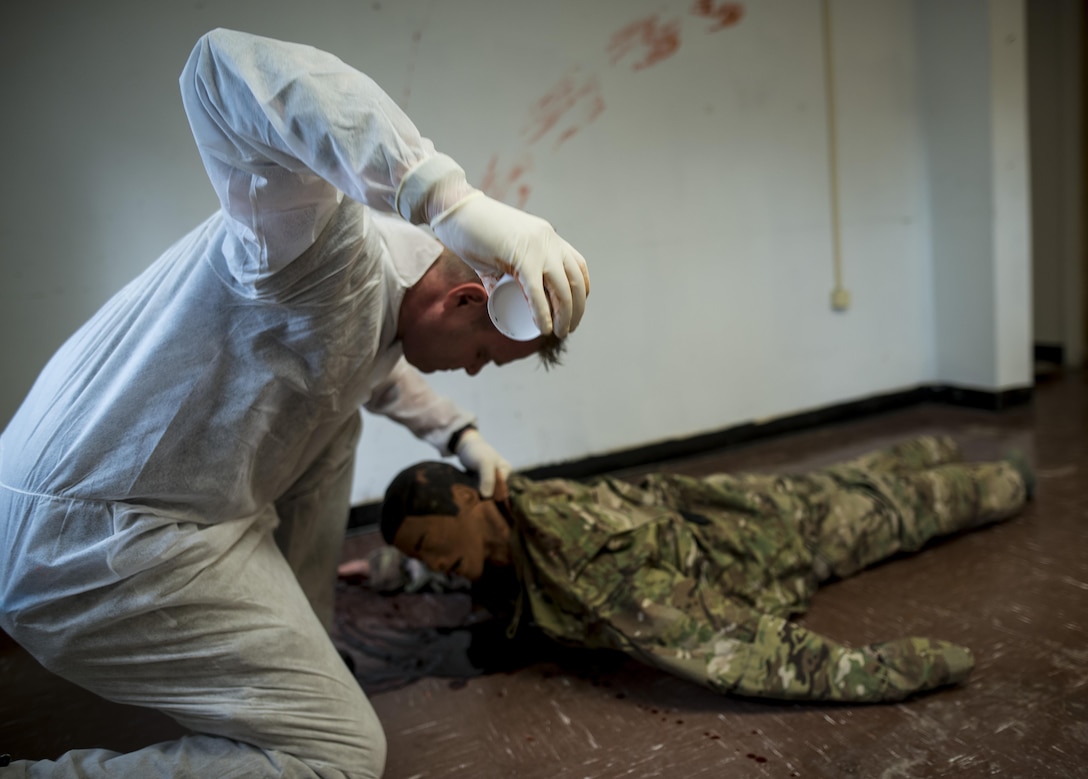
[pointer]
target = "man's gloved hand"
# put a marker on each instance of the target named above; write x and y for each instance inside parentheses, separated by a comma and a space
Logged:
(495, 238)
(478, 455)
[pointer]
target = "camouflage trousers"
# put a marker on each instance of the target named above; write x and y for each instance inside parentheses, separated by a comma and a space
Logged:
(850, 516)
(895, 500)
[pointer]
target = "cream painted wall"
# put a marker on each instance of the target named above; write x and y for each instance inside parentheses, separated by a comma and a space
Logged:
(698, 193)
(974, 108)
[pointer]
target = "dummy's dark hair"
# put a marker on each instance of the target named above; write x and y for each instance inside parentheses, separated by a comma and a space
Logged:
(421, 490)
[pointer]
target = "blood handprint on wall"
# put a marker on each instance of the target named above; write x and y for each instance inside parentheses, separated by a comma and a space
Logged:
(578, 99)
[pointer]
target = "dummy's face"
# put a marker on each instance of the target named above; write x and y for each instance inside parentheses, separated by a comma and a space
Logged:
(463, 544)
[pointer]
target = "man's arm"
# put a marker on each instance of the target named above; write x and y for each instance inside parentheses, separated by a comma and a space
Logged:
(692, 631)
(405, 397)
(282, 126)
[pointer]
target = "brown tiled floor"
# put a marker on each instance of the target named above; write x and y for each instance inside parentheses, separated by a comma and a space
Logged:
(1017, 594)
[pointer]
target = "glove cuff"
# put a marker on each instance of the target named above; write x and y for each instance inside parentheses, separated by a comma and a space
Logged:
(416, 188)
(458, 434)
(472, 194)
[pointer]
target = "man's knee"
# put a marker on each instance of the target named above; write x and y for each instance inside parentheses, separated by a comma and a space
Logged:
(363, 759)
(351, 746)
(371, 749)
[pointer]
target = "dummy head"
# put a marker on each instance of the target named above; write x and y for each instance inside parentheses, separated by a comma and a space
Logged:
(434, 513)
(444, 324)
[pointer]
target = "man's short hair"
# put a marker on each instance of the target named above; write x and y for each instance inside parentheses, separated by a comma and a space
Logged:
(551, 351)
(423, 489)
(455, 271)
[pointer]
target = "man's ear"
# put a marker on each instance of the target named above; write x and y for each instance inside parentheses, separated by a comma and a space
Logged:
(469, 293)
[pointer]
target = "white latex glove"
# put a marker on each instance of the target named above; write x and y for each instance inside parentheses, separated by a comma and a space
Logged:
(495, 238)
(478, 455)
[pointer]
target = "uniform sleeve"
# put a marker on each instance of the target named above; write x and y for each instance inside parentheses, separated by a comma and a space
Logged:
(282, 127)
(696, 633)
(405, 397)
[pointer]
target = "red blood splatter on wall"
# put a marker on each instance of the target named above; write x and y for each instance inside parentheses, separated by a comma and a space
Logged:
(725, 14)
(550, 108)
(577, 102)
(499, 179)
(570, 132)
(487, 183)
(658, 40)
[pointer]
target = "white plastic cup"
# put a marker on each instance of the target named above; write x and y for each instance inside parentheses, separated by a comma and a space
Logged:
(509, 310)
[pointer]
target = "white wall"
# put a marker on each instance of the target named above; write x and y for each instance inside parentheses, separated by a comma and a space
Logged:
(973, 82)
(697, 188)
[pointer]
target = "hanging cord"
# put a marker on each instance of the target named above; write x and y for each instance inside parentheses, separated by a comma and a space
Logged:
(840, 296)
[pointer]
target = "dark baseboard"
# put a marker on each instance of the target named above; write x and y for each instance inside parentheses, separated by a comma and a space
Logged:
(1054, 353)
(988, 401)
(676, 449)
(369, 514)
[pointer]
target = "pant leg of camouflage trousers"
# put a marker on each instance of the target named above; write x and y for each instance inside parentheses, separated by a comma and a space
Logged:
(914, 454)
(896, 500)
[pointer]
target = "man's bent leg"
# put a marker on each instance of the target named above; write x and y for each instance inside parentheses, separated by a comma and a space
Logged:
(215, 632)
(313, 517)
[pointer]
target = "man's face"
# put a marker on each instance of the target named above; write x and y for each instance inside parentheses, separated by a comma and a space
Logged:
(456, 333)
(463, 544)
(459, 345)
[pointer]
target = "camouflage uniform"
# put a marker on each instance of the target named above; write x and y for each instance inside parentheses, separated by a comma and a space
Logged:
(698, 576)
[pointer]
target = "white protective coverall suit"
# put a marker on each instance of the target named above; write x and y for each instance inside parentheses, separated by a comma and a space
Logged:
(211, 409)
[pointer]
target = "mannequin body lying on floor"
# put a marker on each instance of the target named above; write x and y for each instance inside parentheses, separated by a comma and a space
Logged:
(700, 576)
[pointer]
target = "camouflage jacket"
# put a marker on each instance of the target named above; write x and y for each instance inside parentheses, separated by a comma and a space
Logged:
(699, 579)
